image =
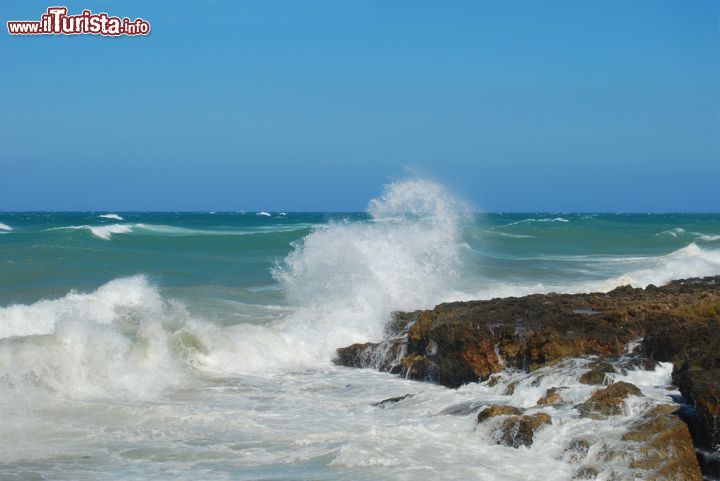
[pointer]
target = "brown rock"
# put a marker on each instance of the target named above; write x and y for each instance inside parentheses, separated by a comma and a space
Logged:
(519, 431)
(596, 374)
(497, 410)
(586, 472)
(608, 401)
(552, 396)
(663, 447)
(463, 342)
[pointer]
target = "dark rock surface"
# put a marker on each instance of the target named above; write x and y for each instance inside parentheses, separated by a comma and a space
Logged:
(385, 403)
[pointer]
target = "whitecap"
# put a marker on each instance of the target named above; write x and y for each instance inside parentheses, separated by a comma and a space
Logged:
(544, 219)
(111, 216)
(5, 227)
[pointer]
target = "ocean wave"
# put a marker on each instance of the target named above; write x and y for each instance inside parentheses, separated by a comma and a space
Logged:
(106, 231)
(115, 341)
(264, 214)
(111, 216)
(509, 235)
(542, 219)
(680, 232)
(686, 262)
(5, 227)
(677, 231)
(708, 237)
(342, 280)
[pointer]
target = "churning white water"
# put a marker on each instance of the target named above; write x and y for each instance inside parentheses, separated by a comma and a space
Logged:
(127, 381)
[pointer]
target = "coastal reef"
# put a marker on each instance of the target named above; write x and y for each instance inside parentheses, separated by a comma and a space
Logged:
(626, 329)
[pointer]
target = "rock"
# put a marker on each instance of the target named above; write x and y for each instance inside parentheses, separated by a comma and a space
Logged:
(385, 403)
(596, 374)
(497, 410)
(663, 446)
(691, 341)
(463, 409)
(586, 472)
(516, 431)
(578, 449)
(510, 388)
(608, 401)
(552, 396)
(461, 342)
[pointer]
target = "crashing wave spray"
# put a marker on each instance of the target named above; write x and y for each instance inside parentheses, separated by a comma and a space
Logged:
(344, 280)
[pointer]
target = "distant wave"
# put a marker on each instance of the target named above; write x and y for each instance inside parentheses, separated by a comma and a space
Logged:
(510, 236)
(106, 232)
(686, 262)
(680, 232)
(111, 216)
(263, 213)
(708, 238)
(5, 227)
(544, 219)
(672, 232)
(101, 231)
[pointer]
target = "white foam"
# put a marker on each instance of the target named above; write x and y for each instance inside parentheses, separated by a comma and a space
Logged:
(708, 237)
(263, 213)
(5, 227)
(111, 216)
(115, 341)
(677, 231)
(104, 232)
(686, 262)
(543, 219)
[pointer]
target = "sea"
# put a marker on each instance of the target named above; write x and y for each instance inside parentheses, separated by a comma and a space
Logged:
(200, 345)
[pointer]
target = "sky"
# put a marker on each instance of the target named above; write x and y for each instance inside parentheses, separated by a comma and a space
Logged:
(558, 106)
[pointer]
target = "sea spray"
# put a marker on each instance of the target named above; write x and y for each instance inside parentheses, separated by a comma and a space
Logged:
(113, 342)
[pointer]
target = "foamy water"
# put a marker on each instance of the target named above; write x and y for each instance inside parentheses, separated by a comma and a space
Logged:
(200, 346)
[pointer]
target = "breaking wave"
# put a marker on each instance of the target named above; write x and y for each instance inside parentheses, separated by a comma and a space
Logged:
(343, 280)
(111, 216)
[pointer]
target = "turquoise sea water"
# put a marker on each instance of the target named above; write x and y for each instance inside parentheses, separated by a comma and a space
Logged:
(232, 255)
(200, 345)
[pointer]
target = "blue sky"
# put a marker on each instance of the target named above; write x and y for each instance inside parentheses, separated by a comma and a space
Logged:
(314, 105)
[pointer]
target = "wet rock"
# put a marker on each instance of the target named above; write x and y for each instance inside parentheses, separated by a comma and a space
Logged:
(586, 472)
(516, 431)
(608, 401)
(386, 403)
(578, 449)
(690, 339)
(662, 446)
(510, 388)
(596, 374)
(463, 409)
(462, 342)
(552, 396)
(497, 410)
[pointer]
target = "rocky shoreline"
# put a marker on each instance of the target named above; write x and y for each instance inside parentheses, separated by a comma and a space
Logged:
(624, 329)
